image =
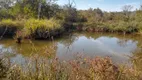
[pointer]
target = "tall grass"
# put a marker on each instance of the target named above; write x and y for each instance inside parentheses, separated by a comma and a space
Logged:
(34, 24)
(43, 28)
(81, 69)
(34, 27)
(11, 23)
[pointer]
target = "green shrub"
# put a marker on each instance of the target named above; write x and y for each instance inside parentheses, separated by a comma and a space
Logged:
(133, 26)
(121, 27)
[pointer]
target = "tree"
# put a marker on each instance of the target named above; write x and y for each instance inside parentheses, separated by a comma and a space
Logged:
(49, 10)
(70, 12)
(127, 10)
(6, 3)
(33, 8)
(99, 14)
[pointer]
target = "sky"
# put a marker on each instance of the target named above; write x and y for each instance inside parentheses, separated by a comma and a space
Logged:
(105, 5)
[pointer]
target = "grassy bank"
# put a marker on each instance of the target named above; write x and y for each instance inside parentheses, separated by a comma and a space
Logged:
(43, 28)
(8, 27)
(46, 28)
(113, 27)
(81, 69)
(32, 28)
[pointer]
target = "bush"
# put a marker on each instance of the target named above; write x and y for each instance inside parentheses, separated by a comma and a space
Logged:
(133, 27)
(121, 27)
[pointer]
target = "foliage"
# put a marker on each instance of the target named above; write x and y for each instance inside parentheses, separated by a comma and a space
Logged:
(35, 16)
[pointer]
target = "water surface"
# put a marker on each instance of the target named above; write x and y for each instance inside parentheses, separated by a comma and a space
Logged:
(117, 46)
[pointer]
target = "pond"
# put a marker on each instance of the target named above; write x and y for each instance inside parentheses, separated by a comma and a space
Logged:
(117, 46)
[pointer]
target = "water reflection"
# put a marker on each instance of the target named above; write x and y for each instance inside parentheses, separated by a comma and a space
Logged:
(102, 46)
(118, 47)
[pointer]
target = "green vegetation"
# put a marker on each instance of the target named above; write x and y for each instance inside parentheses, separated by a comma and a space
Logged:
(43, 28)
(45, 15)
(32, 26)
(99, 21)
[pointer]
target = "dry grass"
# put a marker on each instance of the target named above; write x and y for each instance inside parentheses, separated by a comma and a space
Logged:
(81, 69)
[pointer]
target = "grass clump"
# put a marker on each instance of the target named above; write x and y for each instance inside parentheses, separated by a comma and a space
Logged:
(45, 24)
(41, 27)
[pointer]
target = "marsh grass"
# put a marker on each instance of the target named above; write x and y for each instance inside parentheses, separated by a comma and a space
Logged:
(117, 27)
(11, 23)
(80, 69)
(44, 25)
(42, 28)
(45, 28)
